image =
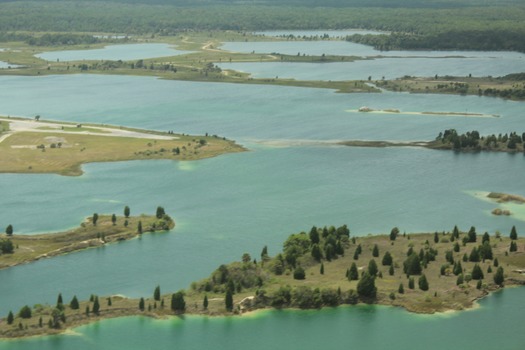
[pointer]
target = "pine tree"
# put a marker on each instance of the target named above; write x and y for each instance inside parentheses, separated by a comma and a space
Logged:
(366, 286)
(477, 273)
(25, 312)
(96, 305)
(513, 233)
(139, 227)
(177, 302)
(455, 233)
(356, 255)
(228, 301)
(316, 252)
(387, 259)
(375, 251)
(95, 219)
(479, 284)
(10, 318)
(205, 302)
(459, 281)
(110, 302)
(141, 304)
(436, 237)
(160, 212)
(411, 283)
(495, 262)
(353, 274)
(391, 270)
(126, 211)
(412, 265)
(499, 276)
(321, 270)
(156, 293)
(472, 234)
(113, 219)
(372, 268)
(314, 235)
(60, 302)
(486, 238)
(474, 255)
(401, 289)
(513, 246)
(9, 230)
(393, 233)
(264, 253)
(74, 303)
(422, 282)
(489, 270)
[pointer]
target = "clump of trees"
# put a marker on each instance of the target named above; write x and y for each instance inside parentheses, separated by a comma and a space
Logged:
(472, 141)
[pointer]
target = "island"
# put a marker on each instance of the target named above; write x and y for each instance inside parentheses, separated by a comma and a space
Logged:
(324, 267)
(37, 146)
(450, 140)
(95, 231)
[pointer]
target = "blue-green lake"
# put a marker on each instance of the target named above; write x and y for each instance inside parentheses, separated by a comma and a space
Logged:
(293, 177)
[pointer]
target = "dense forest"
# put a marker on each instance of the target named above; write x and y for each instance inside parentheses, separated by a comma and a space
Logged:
(439, 24)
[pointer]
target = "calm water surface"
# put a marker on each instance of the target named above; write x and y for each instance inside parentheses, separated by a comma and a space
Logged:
(290, 180)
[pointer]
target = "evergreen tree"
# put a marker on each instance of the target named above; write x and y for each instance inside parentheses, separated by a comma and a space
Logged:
(141, 304)
(96, 305)
(156, 293)
(113, 219)
(95, 219)
(411, 283)
(458, 269)
(387, 259)
(513, 233)
(359, 249)
(449, 257)
(353, 274)
(316, 252)
(410, 251)
(9, 230)
(489, 270)
(472, 234)
(228, 301)
(391, 270)
(25, 312)
(477, 273)
(474, 255)
(356, 255)
(455, 232)
(74, 303)
(486, 238)
(375, 251)
(139, 227)
(401, 289)
(60, 302)
(456, 247)
(298, 273)
(110, 302)
(479, 284)
(412, 265)
(436, 237)
(366, 286)
(126, 211)
(205, 302)
(459, 281)
(314, 235)
(321, 270)
(423, 283)
(499, 276)
(160, 212)
(87, 310)
(372, 268)
(465, 257)
(513, 246)
(10, 318)
(393, 233)
(177, 302)
(264, 253)
(495, 262)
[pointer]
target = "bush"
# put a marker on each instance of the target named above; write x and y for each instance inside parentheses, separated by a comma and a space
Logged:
(298, 273)
(25, 312)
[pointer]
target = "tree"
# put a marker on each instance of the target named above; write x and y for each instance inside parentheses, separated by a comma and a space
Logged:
(353, 274)
(139, 227)
(366, 287)
(391, 270)
(474, 255)
(458, 269)
(436, 237)
(499, 276)
(264, 253)
(25, 312)
(372, 268)
(6, 246)
(412, 265)
(96, 306)
(477, 273)
(321, 269)
(356, 255)
(387, 259)
(228, 300)
(177, 302)
(513, 246)
(455, 232)
(9, 230)
(459, 280)
(472, 234)
(205, 302)
(314, 235)
(485, 251)
(422, 282)
(126, 211)
(486, 238)
(456, 247)
(95, 219)
(495, 262)
(10, 318)
(156, 293)
(375, 251)
(316, 252)
(513, 233)
(160, 212)
(393, 233)
(113, 219)
(74, 303)
(298, 273)
(246, 258)
(60, 302)
(401, 289)
(141, 304)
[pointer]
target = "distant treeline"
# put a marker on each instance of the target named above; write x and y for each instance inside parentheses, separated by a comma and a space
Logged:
(436, 24)
(56, 39)
(473, 141)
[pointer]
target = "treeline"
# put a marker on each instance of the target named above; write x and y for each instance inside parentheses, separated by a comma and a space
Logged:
(57, 39)
(473, 141)
(444, 26)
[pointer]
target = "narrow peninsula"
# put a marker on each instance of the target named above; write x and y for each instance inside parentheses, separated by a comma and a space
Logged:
(36, 146)
(326, 267)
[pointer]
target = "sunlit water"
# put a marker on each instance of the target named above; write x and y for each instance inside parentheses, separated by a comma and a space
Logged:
(292, 178)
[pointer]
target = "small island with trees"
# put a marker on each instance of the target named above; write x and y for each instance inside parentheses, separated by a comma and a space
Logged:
(95, 231)
(324, 267)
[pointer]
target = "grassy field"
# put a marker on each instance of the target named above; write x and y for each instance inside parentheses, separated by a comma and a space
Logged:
(64, 153)
(34, 247)
(444, 293)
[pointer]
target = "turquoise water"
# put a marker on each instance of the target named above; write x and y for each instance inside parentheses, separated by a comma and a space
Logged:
(292, 178)
(124, 52)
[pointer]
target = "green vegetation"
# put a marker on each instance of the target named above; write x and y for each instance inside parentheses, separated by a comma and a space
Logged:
(472, 141)
(20, 249)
